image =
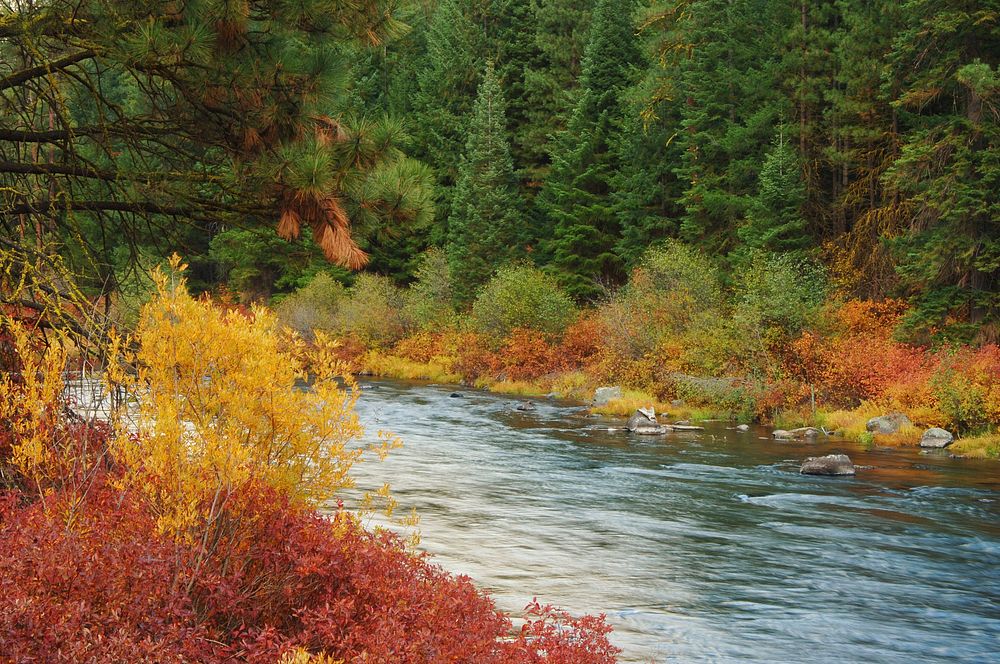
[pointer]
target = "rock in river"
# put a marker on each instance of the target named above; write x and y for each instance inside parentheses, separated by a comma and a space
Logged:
(936, 437)
(781, 434)
(644, 423)
(831, 464)
(525, 405)
(890, 423)
(742, 428)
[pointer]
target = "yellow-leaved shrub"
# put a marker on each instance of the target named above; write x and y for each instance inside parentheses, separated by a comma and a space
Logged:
(218, 400)
(30, 407)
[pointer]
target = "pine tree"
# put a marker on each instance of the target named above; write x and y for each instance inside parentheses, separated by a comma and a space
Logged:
(510, 42)
(775, 221)
(946, 69)
(576, 199)
(486, 228)
(726, 93)
(864, 142)
(447, 86)
(560, 37)
(646, 190)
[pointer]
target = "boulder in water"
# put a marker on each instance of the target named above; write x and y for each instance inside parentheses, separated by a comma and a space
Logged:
(887, 424)
(525, 405)
(781, 434)
(456, 395)
(643, 417)
(831, 464)
(643, 422)
(603, 395)
(936, 437)
(805, 432)
(743, 428)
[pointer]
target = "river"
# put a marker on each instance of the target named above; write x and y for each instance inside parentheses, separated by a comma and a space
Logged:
(700, 546)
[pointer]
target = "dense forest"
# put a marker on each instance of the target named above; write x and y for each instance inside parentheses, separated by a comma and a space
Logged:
(862, 135)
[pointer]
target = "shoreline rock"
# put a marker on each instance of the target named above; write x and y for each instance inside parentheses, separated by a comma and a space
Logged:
(887, 424)
(936, 438)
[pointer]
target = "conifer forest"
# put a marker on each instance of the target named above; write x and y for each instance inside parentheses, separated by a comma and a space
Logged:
(229, 226)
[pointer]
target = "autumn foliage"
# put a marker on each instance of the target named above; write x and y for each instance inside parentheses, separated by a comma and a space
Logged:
(187, 528)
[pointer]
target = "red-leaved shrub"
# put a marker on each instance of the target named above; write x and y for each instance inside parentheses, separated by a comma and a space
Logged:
(105, 586)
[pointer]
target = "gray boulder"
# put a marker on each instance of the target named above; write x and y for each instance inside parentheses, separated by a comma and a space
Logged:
(525, 405)
(805, 432)
(890, 423)
(643, 422)
(936, 437)
(831, 464)
(781, 434)
(743, 428)
(603, 395)
(644, 417)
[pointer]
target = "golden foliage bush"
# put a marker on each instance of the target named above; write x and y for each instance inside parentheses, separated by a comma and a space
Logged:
(217, 404)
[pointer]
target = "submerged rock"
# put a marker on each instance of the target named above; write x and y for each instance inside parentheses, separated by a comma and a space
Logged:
(831, 464)
(603, 395)
(525, 405)
(456, 395)
(936, 437)
(886, 424)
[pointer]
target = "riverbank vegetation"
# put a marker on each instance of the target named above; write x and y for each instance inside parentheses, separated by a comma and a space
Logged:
(198, 519)
(772, 343)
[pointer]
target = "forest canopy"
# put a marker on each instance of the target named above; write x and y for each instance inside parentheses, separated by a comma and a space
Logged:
(861, 135)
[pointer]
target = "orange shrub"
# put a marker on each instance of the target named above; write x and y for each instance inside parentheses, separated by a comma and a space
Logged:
(526, 355)
(421, 347)
(473, 358)
(582, 341)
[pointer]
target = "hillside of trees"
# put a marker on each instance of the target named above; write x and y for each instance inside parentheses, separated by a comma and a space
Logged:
(571, 135)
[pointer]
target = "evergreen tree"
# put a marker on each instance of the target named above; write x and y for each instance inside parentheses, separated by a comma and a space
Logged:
(447, 88)
(775, 221)
(576, 199)
(486, 228)
(510, 38)
(946, 70)
(864, 142)
(646, 189)
(728, 100)
(560, 37)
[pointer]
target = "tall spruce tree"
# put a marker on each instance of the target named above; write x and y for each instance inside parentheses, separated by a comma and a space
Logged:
(946, 70)
(486, 228)
(729, 103)
(576, 199)
(775, 220)
(551, 78)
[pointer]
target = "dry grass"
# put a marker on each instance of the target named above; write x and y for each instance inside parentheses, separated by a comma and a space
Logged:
(986, 446)
(391, 366)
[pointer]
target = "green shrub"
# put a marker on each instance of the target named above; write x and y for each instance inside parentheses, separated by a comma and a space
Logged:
(520, 296)
(373, 311)
(313, 307)
(428, 301)
(779, 291)
(674, 286)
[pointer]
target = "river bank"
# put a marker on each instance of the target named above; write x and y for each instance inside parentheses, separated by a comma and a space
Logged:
(579, 387)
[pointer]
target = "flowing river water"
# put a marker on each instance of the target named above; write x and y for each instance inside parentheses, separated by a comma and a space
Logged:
(700, 546)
